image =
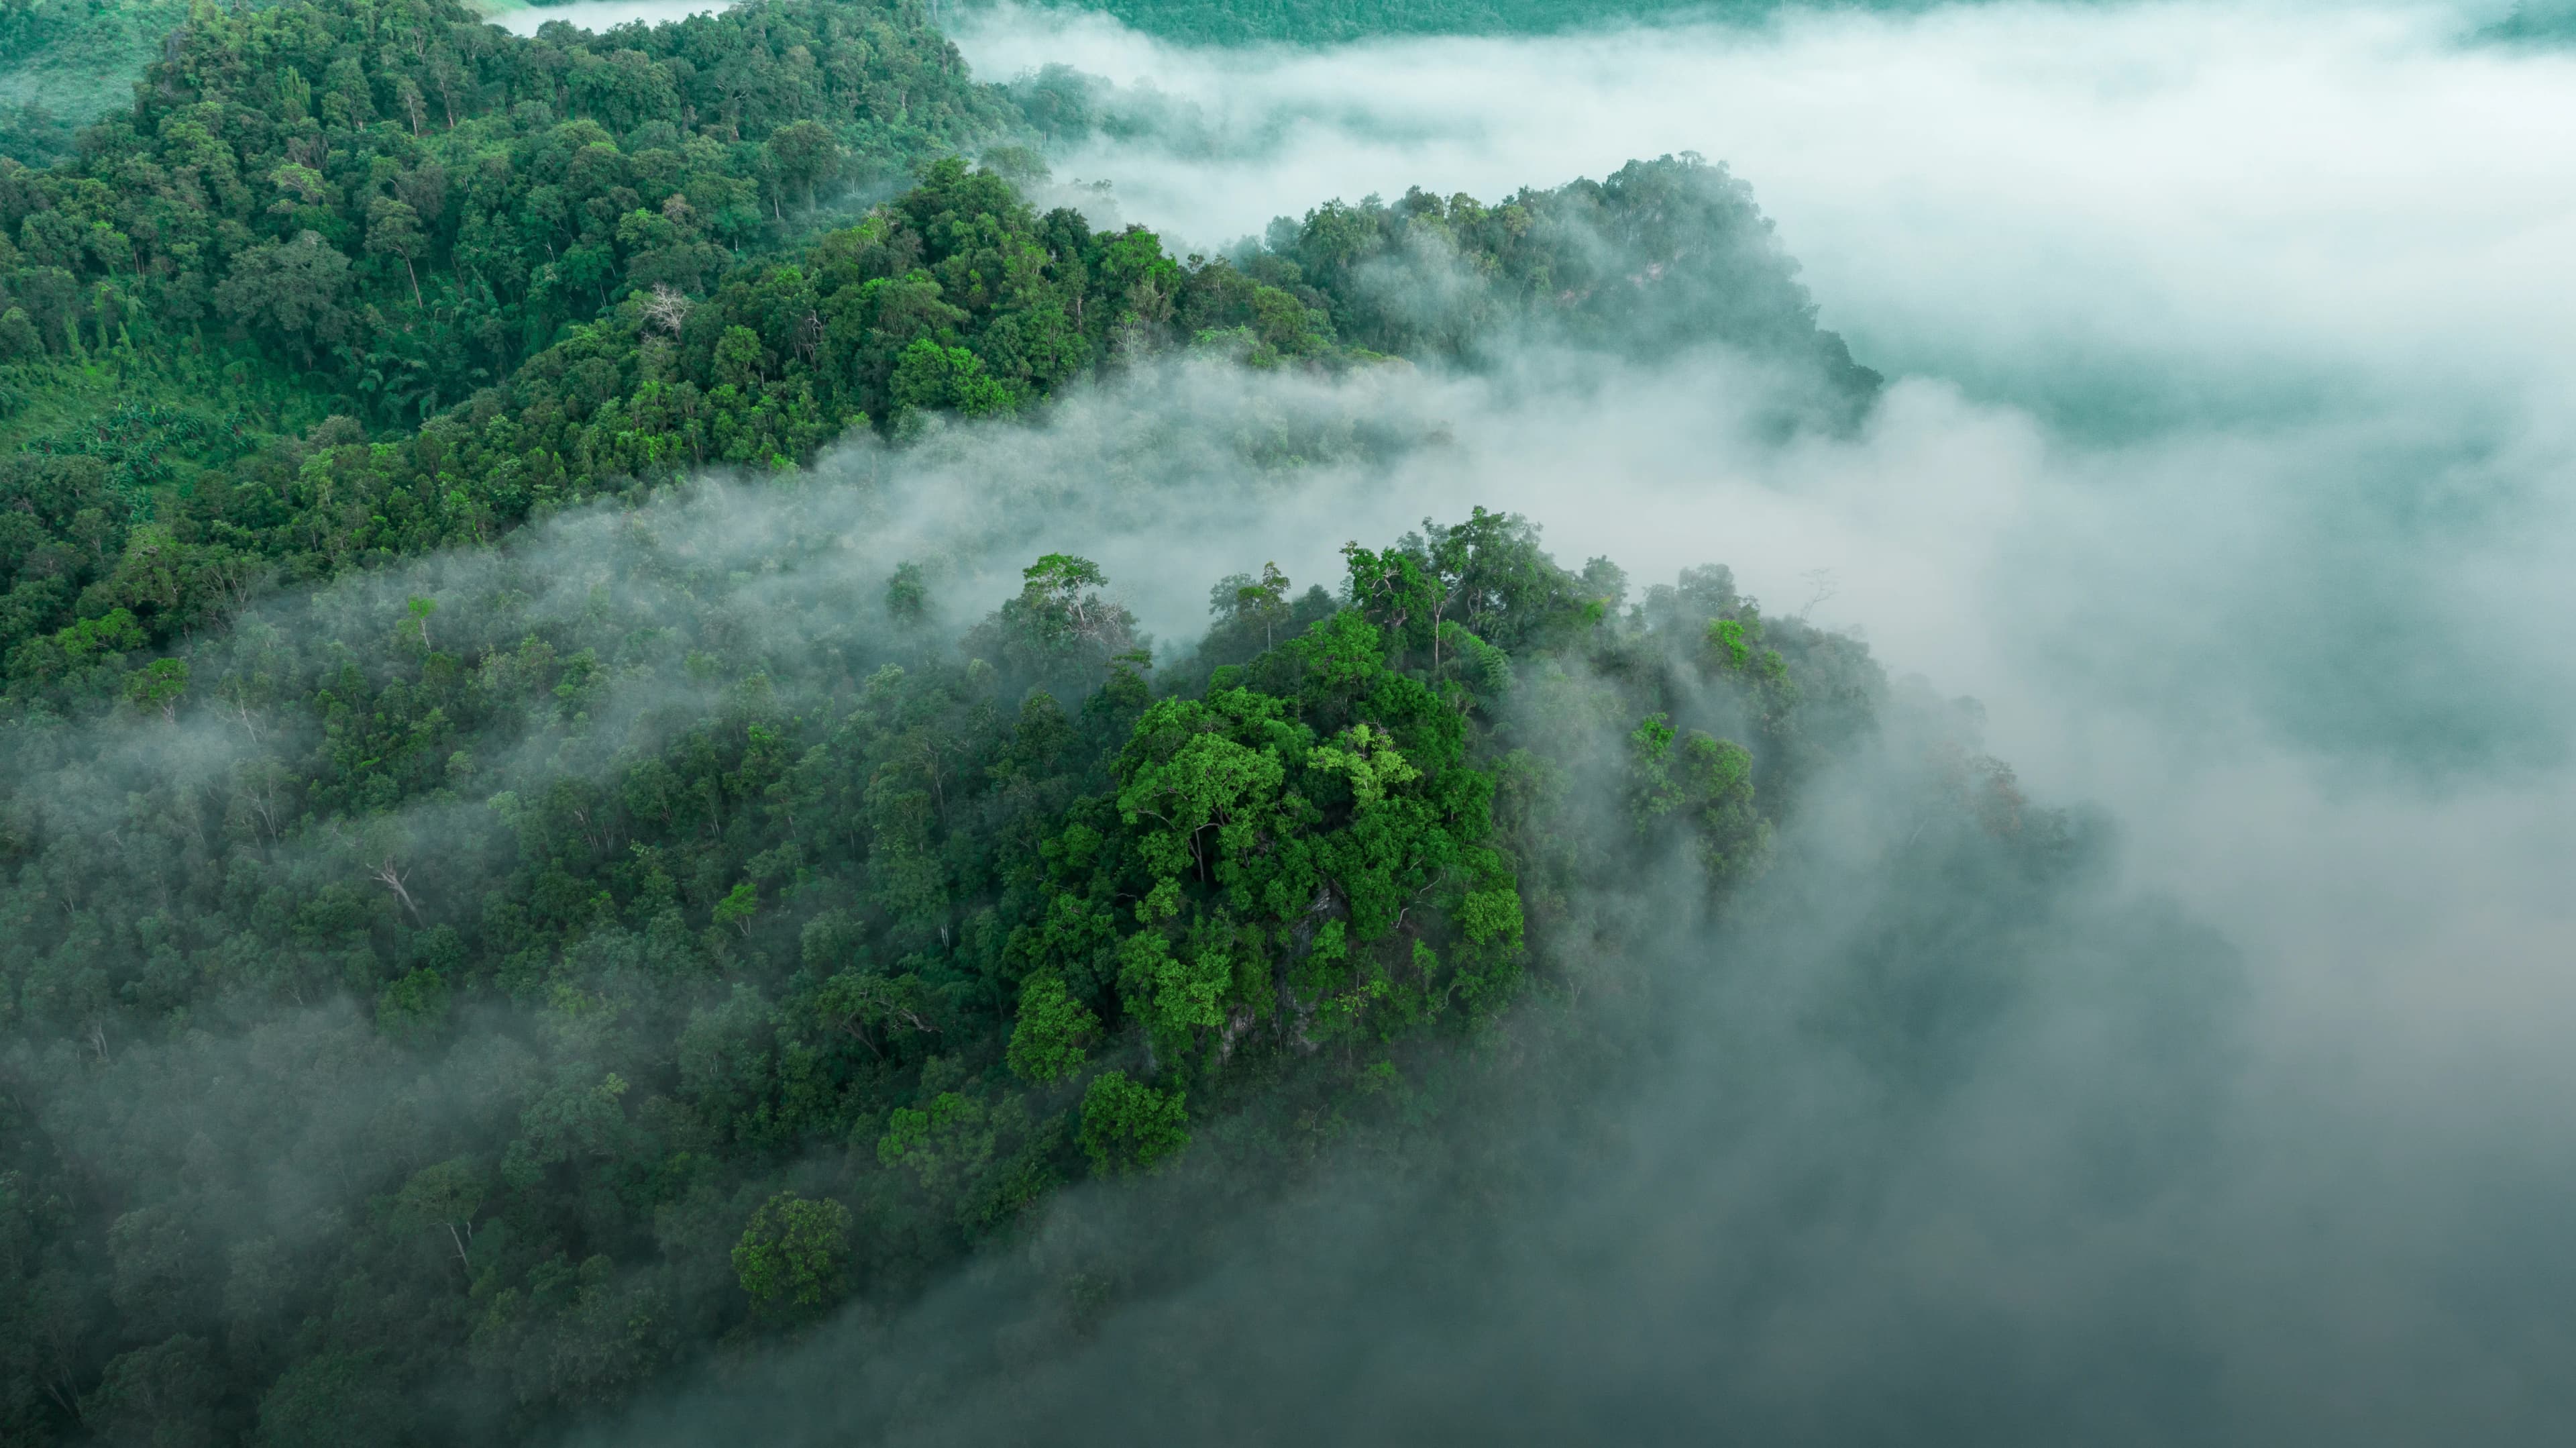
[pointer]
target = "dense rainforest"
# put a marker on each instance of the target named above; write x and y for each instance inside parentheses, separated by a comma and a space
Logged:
(537, 330)
(495, 919)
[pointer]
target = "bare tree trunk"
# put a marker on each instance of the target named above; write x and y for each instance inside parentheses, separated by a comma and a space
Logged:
(392, 879)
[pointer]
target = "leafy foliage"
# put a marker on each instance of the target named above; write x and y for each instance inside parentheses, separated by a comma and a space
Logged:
(794, 1251)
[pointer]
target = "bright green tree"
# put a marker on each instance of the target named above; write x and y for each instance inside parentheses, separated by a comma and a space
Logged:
(795, 1250)
(1128, 1126)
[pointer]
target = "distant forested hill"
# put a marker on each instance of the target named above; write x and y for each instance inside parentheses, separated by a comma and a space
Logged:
(2540, 22)
(1237, 22)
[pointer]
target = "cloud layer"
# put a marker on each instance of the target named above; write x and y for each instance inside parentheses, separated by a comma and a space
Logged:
(2247, 194)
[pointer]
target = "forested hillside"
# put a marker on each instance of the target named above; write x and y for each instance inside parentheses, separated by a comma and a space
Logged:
(377, 355)
(494, 923)
(608, 950)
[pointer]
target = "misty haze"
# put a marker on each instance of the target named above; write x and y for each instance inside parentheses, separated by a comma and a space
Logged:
(1287, 721)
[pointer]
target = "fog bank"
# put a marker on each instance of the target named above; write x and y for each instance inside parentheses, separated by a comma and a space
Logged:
(2238, 209)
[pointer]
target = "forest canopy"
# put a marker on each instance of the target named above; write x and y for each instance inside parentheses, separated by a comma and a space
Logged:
(956, 298)
(517, 887)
